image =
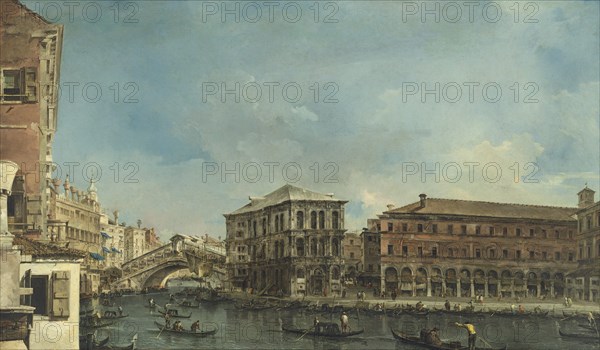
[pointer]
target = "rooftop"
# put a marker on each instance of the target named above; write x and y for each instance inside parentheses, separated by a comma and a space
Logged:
(39, 249)
(486, 209)
(284, 194)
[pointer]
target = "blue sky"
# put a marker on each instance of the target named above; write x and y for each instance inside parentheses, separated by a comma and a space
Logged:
(375, 134)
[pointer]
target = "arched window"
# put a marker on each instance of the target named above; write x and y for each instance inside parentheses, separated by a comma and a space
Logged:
(281, 223)
(335, 251)
(313, 247)
(321, 219)
(300, 273)
(264, 226)
(335, 220)
(276, 223)
(281, 249)
(300, 220)
(313, 220)
(300, 247)
(335, 273)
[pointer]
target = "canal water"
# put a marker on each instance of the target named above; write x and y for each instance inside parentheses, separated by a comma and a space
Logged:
(240, 329)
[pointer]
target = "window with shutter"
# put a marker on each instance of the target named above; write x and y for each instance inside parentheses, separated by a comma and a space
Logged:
(26, 283)
(30, 84)
(60, 294)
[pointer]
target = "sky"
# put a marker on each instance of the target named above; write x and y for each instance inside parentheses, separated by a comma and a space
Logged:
(201, 106)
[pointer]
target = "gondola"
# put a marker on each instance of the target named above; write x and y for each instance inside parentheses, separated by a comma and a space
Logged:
(445, 346)
(326, 330)
(114, 317)
(178, 315)
(95, 326)
(84, 342)
(185, 331)
(131, 345)
(187, 304)
(581, 336)
(588, 327)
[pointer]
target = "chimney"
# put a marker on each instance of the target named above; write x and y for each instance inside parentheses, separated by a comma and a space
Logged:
(390, 206)
(423, 198)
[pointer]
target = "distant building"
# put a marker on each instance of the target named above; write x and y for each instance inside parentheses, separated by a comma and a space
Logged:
(74, 221)
(371, 257)
(584, 283)
(113, 240)
(30, 58)
(437, 247)
(352, 247)
(288, 241)
(135, 242)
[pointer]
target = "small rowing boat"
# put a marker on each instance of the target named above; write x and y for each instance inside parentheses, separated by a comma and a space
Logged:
(445, 346)
(323, 329)
(163, 328)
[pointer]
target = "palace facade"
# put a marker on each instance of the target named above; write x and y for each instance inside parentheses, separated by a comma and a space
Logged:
(288, 241)
(449, 247)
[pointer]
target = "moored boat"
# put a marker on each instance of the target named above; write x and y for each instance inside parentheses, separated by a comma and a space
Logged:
(323, 329)
(445, 346)
(163, 328)
(175, 314)
(580, 336)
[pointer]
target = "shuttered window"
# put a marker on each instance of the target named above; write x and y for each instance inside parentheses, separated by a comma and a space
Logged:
(60, 294)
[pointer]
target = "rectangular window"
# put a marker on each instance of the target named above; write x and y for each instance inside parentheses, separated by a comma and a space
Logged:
(351, 242)
(477, 230)
(518, 232)
(390, 249)
(570, 256)
(556, 234)
(450, 229)
(518, 254)
(557, 256)
(39, 298)
(434, 228)
(544, 233)
(492, 253)
(531, 232)
(390, 227)
(405, 250)
(477, 253)
(378, 227)
(505, 231)
(369, 238)
(491, 230)
(420, 228)
(18, 85)
(420, 251)
(463, 229)
(505, 253)
(464, 253)
(434, 252)
(404, 227)
(531, 255)
(544, 255)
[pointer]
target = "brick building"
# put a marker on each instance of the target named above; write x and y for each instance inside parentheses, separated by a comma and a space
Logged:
(437, 247)
(30, 54)
(287, 241)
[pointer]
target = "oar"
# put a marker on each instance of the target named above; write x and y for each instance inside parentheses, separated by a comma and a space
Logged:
(305, 333)
(159, 333)
(485, 342)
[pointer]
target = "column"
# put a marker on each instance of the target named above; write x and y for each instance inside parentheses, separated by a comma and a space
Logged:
(458, 288)
(539, 289)
(472, 288)
(552, 288)
(429, 286)
(382, 279)
(486, 288)
(443, 286)
(512, 288)
(414, 287)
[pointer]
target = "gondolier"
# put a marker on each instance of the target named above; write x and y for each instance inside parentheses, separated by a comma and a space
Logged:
(344, 322)
(472, 334)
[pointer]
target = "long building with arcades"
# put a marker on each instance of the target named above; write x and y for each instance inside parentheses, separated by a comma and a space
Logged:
(462, 248)
(289, 241)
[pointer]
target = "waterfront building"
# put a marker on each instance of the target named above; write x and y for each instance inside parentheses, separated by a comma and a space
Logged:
(352, 248)
(288, 241)
(30, 56)
(584, 282)
(451, 247)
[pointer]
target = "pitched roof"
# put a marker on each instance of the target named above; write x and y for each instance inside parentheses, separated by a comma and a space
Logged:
(284, 194)
(38, 249)
(486, 209)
